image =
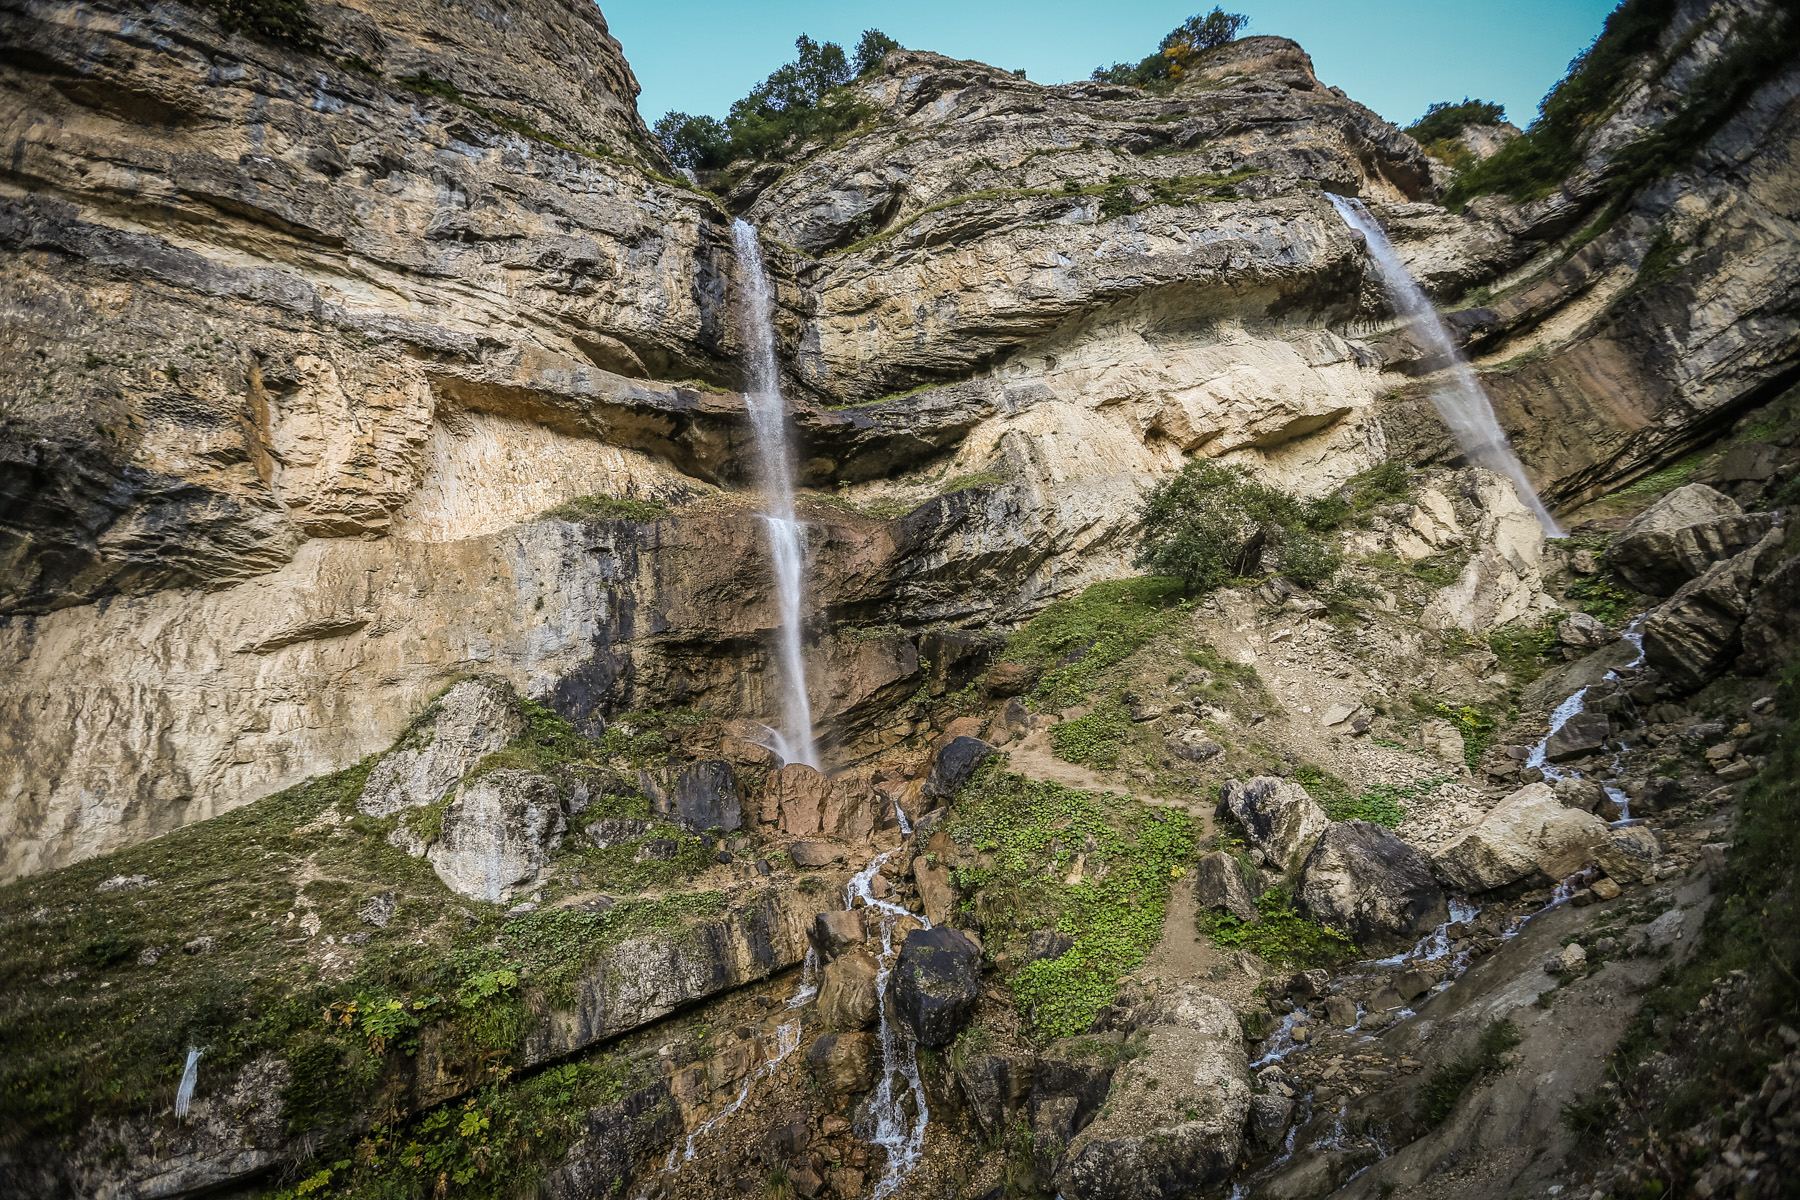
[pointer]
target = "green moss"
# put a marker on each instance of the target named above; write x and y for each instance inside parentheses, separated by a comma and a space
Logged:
(1520, 647)
(283, 22)
(1031, 832)
(1604, 597)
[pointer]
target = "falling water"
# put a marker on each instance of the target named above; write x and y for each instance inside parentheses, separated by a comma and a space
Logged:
(190, 1074)
(899, 1058)
(787, 545)
(1461, 402)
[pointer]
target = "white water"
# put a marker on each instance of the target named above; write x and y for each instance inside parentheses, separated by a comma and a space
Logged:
(793, 740)
(190, 1074)
(902, 1140)
(1539, 756)
(1461, 401)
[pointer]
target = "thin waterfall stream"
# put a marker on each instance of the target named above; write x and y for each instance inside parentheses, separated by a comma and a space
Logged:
(793, 739)
(1460, 400)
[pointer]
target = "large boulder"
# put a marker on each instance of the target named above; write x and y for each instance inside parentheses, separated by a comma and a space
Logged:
(1363, 881)
(796, 797)
(954, 764)
(1530, 835)
(1584, 733)
(1069, 1084)
(1771, 631)
(699, 795)
(1695, 634)
(1629, 855)
(1219, 885)
(937, 980)
(1680, 536)
(937, 896)
(465, 724)
(1283, 821)
(848, 996)
(995, 1087)
(497, 834)
(1174, 1120)
(843, 1062)
(832, 933)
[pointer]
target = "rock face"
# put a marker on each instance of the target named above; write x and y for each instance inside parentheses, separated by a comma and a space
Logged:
(1680, 536)
(497, 834)
(471, 720)
(1529, 835)
(954, 765)
(1362, 880)
(1283, 821)
(1218, 884)
(1175, 1115)
(847, 995)
(937, 979)
(1694, 635)
(700, 795)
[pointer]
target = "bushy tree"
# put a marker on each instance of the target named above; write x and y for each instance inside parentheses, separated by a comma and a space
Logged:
(1175, 57)
(871, 50)
(1214, 522)
(800, 100)
(1446, 120)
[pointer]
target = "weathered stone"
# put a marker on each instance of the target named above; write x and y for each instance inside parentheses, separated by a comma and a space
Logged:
(1578, 631)
(1630, 855)
(1575, 792)
(1648, 553)
(1604, 888)
(796, 796)
(1270, 1115)
(1161, 1135)
(1006, 679)
(1283, 821)
(465, 724)
(936, 895)
(996, 1087)
(833, 933)
(954, 764)
(377, 910)
(814, 854)
(1218, 884)
(616, 1141)
(498, 834)
(1527, 836)
(1340, 1010)
(844, 1063)
(1410, 985)
(1442, 740)
(617, 831)
(937, 979)
(700, 795)
(1046, 943)
(1363, 881)
(1583, 734)
(1694, 635)
(847, 994)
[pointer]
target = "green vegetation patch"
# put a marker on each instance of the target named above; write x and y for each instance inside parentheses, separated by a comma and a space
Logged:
(607, 508)
(1035, 837)
(1076, 639)
(1281, 936)
(1095, 739)
(1181, 49)
(284, 22)
(1215, 522)
(1446, 1085)
(1381, 803)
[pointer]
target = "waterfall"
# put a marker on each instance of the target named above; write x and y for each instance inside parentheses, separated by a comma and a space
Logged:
(1460, 400)
(899, 1057)
(190, 1074)
(787, 544)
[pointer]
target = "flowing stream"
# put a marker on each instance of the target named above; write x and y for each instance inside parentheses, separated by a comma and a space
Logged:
(1460, 400)
(190, 1075)
(793, 740)
(901, 1137)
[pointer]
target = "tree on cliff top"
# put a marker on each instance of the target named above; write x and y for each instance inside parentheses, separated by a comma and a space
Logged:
(800, 100)
(1446, 120)
(1173, 59)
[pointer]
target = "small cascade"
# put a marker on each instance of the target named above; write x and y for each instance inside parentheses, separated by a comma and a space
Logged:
(793, 742)
(903, 1140)
(1565, 712)
(190, 1075)
(787, 1040)
(1461, 401)
(809, 979)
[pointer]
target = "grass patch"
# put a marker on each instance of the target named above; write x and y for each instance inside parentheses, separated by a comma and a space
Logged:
(606, 508)
(1281, 937)
(1382, 803)
(1604, 597)
(1074, 640)
(1438, 1096)
(1475, 725)
(1096, 739)
(1520, 647)
(1032, 833)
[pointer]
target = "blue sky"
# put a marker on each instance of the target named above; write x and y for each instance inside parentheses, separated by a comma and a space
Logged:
(1396, 56)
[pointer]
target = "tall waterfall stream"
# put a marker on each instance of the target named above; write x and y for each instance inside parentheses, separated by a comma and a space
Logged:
(793, 739)
(1460, 400)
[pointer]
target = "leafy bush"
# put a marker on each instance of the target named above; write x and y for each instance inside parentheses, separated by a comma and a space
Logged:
(1214, 522)
(1446, 120)
(1175, 57)
(801, 100)
(1281, 937)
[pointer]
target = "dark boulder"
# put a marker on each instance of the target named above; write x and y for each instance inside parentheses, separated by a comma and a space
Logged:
(616, 1141)
(1069, 1085)
(1695, 635)
(1363, 881)
(843, 1062)
(1581, 735)
(937, 980)
(954, 764)
(833, 933)
(995, 1087)
(1219, 885)
(700, 795)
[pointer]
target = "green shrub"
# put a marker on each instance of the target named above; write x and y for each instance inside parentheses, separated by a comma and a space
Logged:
(1175, 57)
(1094, 740)
(1214, 522)
(1446, 120)
(1281, 936)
